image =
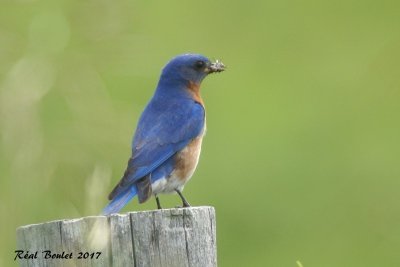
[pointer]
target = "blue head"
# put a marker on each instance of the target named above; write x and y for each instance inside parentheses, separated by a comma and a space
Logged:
(189, 68)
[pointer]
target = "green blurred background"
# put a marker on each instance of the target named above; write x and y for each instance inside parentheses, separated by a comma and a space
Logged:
(302, 154)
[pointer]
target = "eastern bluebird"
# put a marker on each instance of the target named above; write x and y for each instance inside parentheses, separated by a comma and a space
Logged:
(167, 142)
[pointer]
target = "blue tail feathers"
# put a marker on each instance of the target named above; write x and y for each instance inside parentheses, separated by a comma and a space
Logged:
(120, 201)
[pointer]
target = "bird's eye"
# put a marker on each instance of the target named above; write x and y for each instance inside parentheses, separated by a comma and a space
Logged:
(200, 64)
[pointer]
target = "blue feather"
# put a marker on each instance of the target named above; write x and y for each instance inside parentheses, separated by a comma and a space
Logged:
(120, 201)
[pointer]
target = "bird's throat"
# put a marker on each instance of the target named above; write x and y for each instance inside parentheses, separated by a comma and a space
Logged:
(194, 90)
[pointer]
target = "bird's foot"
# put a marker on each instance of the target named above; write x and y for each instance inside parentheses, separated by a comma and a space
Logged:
(158, 203)
(184, 201)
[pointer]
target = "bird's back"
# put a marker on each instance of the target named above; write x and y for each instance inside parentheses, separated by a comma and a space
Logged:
(166, 127)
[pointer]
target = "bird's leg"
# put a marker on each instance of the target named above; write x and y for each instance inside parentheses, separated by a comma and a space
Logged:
(158, 202)
(184, 201)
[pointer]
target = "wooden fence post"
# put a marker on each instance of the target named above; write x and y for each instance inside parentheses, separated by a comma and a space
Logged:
(168, 237)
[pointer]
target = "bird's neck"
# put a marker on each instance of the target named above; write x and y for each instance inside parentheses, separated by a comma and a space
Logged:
(179, 88)
(194, 90)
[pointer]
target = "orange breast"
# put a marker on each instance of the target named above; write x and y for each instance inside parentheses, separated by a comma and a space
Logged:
(186, 160)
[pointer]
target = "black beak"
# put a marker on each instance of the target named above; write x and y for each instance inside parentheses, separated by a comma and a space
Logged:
(216, 66)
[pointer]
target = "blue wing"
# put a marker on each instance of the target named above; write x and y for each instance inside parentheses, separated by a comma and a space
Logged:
(164, 128)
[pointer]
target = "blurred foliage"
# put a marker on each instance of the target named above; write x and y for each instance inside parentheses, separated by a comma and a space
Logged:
(302, 153)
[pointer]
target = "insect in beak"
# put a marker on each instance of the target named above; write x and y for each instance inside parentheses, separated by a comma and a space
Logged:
(216, 66)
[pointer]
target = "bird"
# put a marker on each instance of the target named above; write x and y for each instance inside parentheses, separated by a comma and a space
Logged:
(167, 142)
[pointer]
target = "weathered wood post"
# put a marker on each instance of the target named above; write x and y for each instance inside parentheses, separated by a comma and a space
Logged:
(168, 237)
